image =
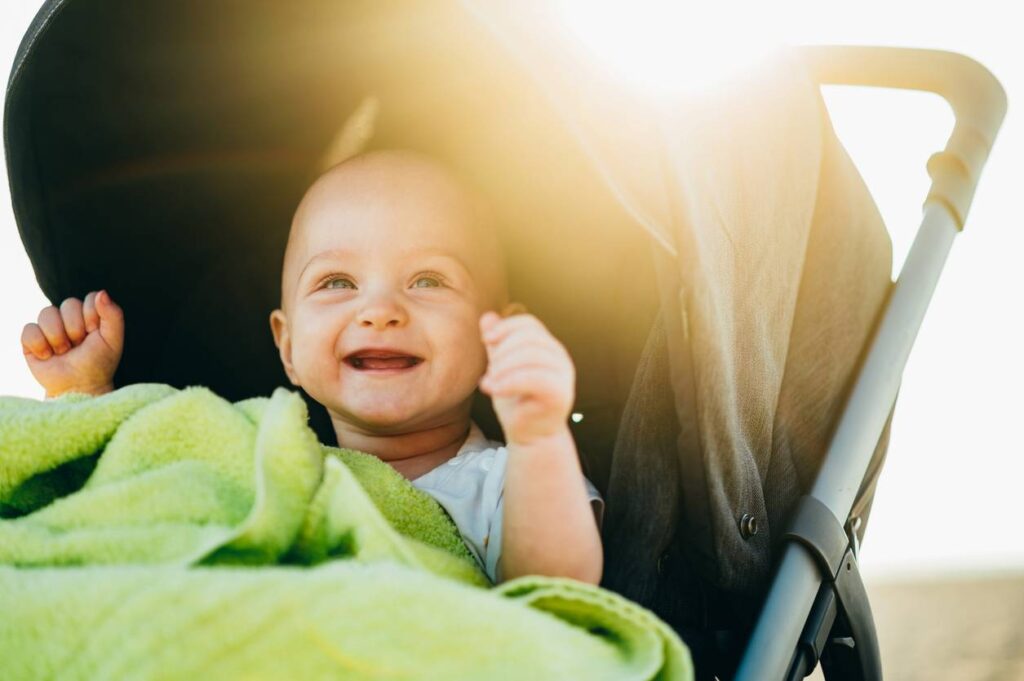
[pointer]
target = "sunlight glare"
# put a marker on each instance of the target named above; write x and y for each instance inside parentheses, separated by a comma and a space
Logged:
(666, 47)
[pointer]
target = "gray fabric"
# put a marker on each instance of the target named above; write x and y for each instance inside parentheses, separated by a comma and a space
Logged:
(783, 266)
(845, 281)
(638, 534)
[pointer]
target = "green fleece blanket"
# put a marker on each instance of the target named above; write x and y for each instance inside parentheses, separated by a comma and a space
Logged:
(153, 533)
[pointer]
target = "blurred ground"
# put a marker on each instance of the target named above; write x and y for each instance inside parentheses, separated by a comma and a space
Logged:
(965, 629)
(952, 629)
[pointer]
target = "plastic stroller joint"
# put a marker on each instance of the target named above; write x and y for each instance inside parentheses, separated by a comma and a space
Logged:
(815, 635)
(817, 529)
(840, 629)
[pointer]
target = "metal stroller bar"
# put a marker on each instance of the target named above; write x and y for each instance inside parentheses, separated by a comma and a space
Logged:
(979, 104)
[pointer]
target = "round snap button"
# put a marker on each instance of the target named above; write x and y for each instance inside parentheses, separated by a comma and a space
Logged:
(748, 526)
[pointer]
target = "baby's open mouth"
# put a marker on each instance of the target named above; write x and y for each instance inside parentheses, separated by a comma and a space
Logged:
(379, 359)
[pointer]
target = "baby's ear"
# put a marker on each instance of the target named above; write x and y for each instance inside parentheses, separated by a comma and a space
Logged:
(279, 327)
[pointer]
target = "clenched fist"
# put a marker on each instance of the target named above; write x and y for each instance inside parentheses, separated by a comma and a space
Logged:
(530, 377)
(77, 347)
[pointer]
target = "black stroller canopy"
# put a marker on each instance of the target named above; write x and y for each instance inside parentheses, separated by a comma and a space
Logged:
(158, 150)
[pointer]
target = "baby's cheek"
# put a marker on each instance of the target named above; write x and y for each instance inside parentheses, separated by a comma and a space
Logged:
(466, 352)
(481, 366)
(313, 356)
(474, 350)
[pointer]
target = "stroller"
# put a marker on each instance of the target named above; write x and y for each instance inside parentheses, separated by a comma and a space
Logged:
(716, 267)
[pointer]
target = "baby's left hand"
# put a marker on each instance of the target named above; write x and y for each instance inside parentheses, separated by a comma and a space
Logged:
(530, 377)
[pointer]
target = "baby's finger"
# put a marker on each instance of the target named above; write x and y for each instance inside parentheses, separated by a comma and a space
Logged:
(34, 343)
(74, 322)
(53, 328)
(506, 326)
(111, 320)
(489, 319)
(517, 333)
(528, 336)
(92, 318)
(499, 375)
(523, 382)
(532, 351)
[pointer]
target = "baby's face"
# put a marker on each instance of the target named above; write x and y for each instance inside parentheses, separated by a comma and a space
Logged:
(385, 280)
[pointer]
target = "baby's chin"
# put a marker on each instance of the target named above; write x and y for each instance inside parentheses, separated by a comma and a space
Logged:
(382, 418)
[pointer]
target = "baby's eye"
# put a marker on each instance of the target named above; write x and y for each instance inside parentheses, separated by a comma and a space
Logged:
(427, 281)
(341, 281)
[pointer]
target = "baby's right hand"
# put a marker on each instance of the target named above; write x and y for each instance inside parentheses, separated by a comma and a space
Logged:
(76, 348)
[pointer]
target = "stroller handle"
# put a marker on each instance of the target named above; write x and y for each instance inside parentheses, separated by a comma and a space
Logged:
(977, 99)
(979, 104)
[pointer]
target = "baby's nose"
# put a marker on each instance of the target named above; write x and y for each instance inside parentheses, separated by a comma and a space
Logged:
(382, 313)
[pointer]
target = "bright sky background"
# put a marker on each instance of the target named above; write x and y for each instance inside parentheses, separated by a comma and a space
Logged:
(948, 499)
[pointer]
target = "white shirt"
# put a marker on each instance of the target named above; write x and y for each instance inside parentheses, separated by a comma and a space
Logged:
(470, 487)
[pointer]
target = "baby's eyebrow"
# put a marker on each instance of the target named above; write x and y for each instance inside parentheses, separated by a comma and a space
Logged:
(443, 254)
(341, 254)
(333, 254)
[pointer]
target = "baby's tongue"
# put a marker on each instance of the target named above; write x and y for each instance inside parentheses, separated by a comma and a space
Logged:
(386, 362)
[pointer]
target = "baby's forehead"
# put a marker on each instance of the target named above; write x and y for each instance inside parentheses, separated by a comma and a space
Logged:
(422, 220)
(391, 184)
(404, 201)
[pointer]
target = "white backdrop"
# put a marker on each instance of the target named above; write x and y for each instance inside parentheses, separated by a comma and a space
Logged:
(948, 498)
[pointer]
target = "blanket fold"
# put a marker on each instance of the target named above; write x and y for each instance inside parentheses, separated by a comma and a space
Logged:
(153, 533)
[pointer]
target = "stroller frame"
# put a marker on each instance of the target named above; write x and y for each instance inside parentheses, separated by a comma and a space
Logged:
(817, 592)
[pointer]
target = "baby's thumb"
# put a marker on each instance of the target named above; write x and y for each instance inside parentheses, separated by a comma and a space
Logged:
(111, 321)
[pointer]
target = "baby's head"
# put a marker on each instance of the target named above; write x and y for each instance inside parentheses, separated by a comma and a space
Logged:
(390, 263)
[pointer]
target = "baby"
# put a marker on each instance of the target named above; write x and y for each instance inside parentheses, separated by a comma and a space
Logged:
(391, 279)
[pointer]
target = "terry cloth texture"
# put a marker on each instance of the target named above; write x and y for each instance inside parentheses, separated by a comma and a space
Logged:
(153, 533)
